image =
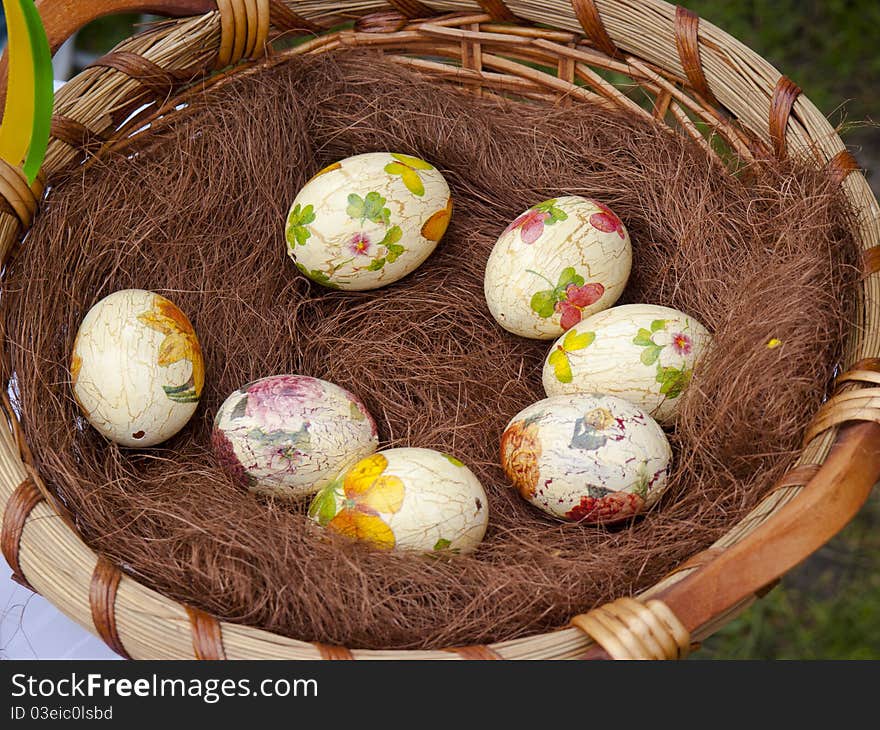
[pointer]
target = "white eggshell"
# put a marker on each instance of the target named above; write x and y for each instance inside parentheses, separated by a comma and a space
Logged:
(136, 369)
(557, 263)
(290, 435)
(406, 499)
(642, 352)
(586, 458)
(368, 220)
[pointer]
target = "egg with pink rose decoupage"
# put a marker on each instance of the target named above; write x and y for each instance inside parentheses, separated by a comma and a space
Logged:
(290, 435)
(642, 352)
(368, 220)
(558, 262)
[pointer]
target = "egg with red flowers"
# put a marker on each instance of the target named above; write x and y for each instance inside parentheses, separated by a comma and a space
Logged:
(557, 263)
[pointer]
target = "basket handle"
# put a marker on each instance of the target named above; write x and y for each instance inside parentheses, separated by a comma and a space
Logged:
(63, 18)
(827, 503)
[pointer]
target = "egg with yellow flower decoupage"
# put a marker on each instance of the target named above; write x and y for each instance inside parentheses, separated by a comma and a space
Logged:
(290, 435)
(560, 261)
(406, 499)
(642, 352)
(136, 369)
(586, 458)
(368, 220)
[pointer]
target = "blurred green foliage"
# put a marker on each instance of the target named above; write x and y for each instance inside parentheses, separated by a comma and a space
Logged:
(830, 48)
(827, 608)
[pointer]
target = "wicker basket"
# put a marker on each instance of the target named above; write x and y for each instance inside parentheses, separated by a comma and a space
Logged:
(699, 78)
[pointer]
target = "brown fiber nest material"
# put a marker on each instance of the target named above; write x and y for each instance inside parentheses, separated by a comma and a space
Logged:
(197, 214)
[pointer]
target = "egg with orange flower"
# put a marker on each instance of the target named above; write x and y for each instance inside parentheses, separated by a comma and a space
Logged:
(367, 221)
(406, 499)
(136, 368)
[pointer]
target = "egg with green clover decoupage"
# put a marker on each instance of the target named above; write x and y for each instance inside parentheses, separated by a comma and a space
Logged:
(290, 435)
(642, 352)
(586, 458)
(368, 220)
(560, 261)
(406, 499)
(136, 368)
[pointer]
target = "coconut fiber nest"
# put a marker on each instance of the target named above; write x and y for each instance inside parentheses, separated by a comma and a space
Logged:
(195, 209)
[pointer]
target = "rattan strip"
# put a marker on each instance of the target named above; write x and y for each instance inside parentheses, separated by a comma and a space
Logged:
(19, 507)
(412, 8)
(497, 10)
(860, 376)
(862, 404)
(798, 476)
(333, 653)
(477, 652)
(389, 22)
(284, 19)
(76, 134)
(23, 198)
(252, 22)
(733, 69)
(263, 28)
(870, 261)
(237, 17)
(687, 41)
(102, 599)
(784, 96)
(207, 636)
(160, 82)
(630, 629)
(592, 25)
(841, 165)
(227, 33)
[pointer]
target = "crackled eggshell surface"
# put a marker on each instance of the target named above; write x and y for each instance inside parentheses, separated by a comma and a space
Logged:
(559, 262)
(136, 368)
(368, 220)
(642, 352)
(290, 435)
(586, 458)
(406, 499)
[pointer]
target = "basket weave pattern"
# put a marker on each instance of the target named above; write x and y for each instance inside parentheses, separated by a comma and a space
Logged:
(700, 80)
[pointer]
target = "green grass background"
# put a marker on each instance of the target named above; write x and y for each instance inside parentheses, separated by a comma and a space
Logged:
(829, 607)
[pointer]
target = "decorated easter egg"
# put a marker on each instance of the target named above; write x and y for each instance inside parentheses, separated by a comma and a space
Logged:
(290, 435)
(368, 220)
(586, 458)
(559, 262)
(641, 352)
(136, 368)
(406, 499)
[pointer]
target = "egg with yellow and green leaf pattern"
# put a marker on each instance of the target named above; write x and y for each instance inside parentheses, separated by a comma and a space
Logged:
(368, 220)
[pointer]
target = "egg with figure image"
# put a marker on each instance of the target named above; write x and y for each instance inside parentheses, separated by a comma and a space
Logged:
(289, 435)
(586, 458)
(406, 499)
(368, 220)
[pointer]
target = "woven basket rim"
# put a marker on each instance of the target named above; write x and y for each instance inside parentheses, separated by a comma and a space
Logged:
(691, 67)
